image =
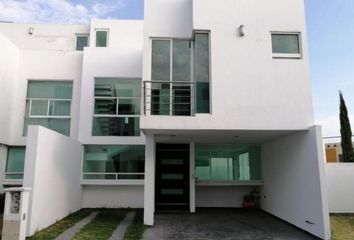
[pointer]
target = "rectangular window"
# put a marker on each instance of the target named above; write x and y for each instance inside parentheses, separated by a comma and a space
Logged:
(48, 104)
(286, 45)
(117, 107)
(102, 37)
(81, 42)
(15, 163)
(228, 163)
(109, 162)
(202, 72)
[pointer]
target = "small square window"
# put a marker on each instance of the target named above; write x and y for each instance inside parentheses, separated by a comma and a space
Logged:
(101, 38)
(286, 45)
(81, 42)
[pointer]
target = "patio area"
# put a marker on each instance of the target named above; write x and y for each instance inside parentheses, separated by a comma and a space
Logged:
(236, 224)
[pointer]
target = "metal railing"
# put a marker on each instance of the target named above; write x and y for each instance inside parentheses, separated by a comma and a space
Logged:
(171, 98)
(112, 176)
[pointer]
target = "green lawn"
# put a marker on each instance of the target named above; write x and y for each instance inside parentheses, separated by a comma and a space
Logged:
(136, 229)
(59, 227)
(102, 226)
(342, 227)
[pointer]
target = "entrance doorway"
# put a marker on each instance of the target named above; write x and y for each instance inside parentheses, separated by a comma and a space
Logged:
(172, 176)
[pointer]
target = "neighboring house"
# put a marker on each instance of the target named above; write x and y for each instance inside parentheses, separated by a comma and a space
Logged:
(333, 152)
(196, 106)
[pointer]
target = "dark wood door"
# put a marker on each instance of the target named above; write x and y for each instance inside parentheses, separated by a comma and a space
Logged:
(172, 176)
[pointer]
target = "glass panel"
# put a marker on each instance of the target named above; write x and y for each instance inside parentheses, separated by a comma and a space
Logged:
(160, 99)
(81, 42)
(160, 69)
(172, 191)
(117, 87)
(39, 107)
(101, 38)
(167, 176)
(49, 89)
(181, 60)
(15, 162)
(59, 125)
(106, 106)
(172, 161)
(129, 107)
(114, 159)
(182, 100)
(228, 162)
(201, 71)
(59, 108)
(286, 43)
(116, 126)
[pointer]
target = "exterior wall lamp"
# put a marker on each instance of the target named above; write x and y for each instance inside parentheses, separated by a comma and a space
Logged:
(241, 30)
(30, 31)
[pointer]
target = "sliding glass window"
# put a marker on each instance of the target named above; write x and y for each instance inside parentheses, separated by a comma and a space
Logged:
(109, 162)
(48, 104)
(228, 163)
(117, 107)
(15, 163)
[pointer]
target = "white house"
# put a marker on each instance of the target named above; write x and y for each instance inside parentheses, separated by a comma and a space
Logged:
(196, 106)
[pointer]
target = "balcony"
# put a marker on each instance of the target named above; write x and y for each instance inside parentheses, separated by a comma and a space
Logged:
(169, 98)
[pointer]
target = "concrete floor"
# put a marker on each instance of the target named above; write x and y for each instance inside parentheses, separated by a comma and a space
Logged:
(235, 224)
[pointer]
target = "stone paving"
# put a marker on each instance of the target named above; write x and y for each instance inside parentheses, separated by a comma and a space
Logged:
(229, 224)
(118, 234)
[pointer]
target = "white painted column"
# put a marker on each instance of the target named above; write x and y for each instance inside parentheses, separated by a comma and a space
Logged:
(3, 159)
(192, 177)
(149, 186)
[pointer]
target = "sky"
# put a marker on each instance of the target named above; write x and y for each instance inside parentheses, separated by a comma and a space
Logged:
(330, 27)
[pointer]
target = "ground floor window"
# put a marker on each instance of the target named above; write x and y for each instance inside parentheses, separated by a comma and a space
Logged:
(15, 163)
(114, 162)
(227, 163)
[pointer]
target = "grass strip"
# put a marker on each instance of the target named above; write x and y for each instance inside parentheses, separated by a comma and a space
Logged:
(136, 229)
(102, 226)
(59, 227)
(342, 227)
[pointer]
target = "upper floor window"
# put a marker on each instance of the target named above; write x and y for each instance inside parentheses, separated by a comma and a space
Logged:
(102, 37)
(81, 42)
(116, 107)
(286, 45)
(48, 104)
(15, 162)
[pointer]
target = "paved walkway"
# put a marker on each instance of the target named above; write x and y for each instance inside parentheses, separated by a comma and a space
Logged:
(228, 224)
(71, 232)
(118, 234)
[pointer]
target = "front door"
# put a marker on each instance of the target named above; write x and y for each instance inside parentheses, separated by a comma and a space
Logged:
(172, 176)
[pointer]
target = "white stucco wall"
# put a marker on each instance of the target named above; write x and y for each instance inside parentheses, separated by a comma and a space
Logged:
(101, 196)
(249, 89)
(294, 181)
(52, 170)
(9, 61)
(340, 183)
(3, 157)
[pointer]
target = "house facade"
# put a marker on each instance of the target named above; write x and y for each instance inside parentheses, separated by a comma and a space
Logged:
(198, 105)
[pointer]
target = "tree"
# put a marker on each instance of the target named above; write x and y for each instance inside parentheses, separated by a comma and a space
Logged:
(345, 131)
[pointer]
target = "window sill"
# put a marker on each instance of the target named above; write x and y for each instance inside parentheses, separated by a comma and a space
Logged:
(230, 183)
(139, 182)
(12, 182)
(286, 56)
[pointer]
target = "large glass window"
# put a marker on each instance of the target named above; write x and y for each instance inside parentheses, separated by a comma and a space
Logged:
(48, 104)
(228, 163)
(81, 42)
(286, 44)
(101, 37)
(15, 163)
(114, 162)
(117, 107)
(202, 72)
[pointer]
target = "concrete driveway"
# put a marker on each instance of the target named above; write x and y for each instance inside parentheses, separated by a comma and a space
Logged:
(235, 224)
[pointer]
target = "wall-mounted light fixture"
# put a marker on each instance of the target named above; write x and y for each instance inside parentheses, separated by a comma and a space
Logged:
(241, 30)
(30, 31)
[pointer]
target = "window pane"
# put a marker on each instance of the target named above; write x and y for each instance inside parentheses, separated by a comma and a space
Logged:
(106, 106)
(160, 99)
(101, 38)
(129, 106)
(117, 87)
(81, 42)
(285, 43)
(127, 159)
(201, 71)
(181, 60)
(15, 162)
(39, 108)
(59, 108)
(160, 69)
(59, 125)
(49, 89)
(116, 126)
(228, 162)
